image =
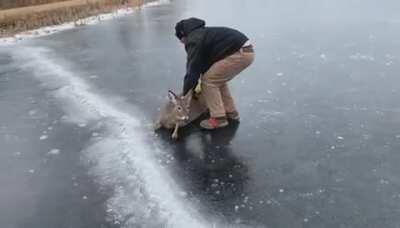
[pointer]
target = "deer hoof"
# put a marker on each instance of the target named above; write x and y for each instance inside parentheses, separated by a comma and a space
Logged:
(157, 126)
(174, 136)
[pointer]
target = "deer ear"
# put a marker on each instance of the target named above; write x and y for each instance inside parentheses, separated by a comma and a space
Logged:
(189, 95)
(188, 98)
(172, 96)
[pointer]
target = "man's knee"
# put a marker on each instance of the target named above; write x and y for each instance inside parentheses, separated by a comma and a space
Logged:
(208, 84)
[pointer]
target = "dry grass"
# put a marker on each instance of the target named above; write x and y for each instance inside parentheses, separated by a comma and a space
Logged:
(16, 20)
(8, 4)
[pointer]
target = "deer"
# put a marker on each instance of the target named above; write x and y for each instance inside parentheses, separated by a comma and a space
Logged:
(180, 111)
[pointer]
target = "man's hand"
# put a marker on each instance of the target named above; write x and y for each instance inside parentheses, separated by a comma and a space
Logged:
(197, 89)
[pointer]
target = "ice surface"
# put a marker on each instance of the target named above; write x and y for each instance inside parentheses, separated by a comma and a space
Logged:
(124, 159)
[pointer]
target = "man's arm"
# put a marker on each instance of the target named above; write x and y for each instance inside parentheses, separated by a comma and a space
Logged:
(190, 82)
(193, 66)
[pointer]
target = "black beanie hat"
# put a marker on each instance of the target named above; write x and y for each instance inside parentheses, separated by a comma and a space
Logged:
(184, 27)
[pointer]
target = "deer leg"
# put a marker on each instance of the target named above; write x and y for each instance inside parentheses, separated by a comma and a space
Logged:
(157, 125)
(175, 133)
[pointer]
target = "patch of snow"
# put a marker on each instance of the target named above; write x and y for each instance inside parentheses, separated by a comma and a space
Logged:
(43, 137)
(157, 3)
(54, 152)
(359, 56)
(82, 124)
(32, 112)
(383, 181)
(183, 194)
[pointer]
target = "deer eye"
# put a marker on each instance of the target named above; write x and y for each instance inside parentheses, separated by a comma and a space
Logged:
(179, 108)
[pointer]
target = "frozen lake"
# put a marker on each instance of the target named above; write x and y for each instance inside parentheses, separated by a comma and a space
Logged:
(318, 145)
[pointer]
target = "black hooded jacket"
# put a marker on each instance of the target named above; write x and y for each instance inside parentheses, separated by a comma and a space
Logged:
(205, 46)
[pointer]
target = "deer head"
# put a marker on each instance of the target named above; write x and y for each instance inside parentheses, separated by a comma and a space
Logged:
(181, 105)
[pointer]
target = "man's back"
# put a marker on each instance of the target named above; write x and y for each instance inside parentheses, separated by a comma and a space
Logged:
(220, 42)
(214, 43)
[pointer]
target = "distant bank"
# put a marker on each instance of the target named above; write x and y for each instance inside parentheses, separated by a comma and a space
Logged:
(21, 15)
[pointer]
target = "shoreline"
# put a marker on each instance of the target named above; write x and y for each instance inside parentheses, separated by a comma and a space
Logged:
(74, 13)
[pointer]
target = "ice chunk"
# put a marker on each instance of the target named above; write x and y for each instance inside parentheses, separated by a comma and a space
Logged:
(383, 181)
(183, 194)
(43, 137)
(54, 152)
(32, 112)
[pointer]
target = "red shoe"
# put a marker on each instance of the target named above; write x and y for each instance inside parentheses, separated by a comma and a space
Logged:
(214, 123)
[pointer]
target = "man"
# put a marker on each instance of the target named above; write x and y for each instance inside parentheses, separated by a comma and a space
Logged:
(217, 55)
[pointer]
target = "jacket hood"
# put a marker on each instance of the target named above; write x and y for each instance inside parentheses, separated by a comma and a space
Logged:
(186, 26)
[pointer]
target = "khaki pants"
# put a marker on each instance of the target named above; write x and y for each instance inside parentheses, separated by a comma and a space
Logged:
(214, 85)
